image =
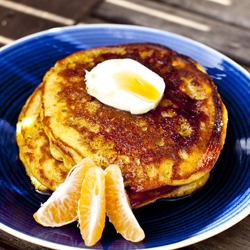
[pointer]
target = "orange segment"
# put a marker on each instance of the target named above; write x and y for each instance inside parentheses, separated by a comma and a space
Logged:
(92, 206)
(118, 207)
(61, 207)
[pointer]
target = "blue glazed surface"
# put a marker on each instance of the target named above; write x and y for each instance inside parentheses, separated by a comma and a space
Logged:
(224, 201)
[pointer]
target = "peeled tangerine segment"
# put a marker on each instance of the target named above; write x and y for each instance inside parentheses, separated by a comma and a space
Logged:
(118, 207)
(92, 206)
(61, 207)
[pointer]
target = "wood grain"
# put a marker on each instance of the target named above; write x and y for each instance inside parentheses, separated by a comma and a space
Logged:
(236, 13)
(226, 38)
(72, 9)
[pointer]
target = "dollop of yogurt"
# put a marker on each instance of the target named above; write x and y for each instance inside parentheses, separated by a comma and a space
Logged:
(125, 84)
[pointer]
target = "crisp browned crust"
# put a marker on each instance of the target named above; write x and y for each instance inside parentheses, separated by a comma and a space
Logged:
(174, 144)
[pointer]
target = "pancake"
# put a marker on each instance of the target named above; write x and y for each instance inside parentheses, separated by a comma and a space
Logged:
(46, 172)
(175, 144)
(140, 199)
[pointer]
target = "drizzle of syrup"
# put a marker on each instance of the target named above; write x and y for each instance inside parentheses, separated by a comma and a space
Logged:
(136, 85)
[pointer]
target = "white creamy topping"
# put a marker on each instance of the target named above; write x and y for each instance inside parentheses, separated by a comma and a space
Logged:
(125, 84)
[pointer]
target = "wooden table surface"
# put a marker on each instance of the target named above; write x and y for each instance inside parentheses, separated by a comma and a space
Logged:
(221, 24)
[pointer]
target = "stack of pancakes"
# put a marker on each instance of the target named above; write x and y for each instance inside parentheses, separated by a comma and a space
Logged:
(166, 152)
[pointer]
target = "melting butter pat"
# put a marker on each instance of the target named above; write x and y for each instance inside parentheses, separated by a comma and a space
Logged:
(125, 84)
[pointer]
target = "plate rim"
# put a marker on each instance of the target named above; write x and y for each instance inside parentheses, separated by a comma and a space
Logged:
(123, 26)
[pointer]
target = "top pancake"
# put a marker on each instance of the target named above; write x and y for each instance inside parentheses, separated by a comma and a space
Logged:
(47, 173)
(176, 143)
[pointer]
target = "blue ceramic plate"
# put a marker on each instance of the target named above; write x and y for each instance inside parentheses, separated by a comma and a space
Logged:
(224, 201)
